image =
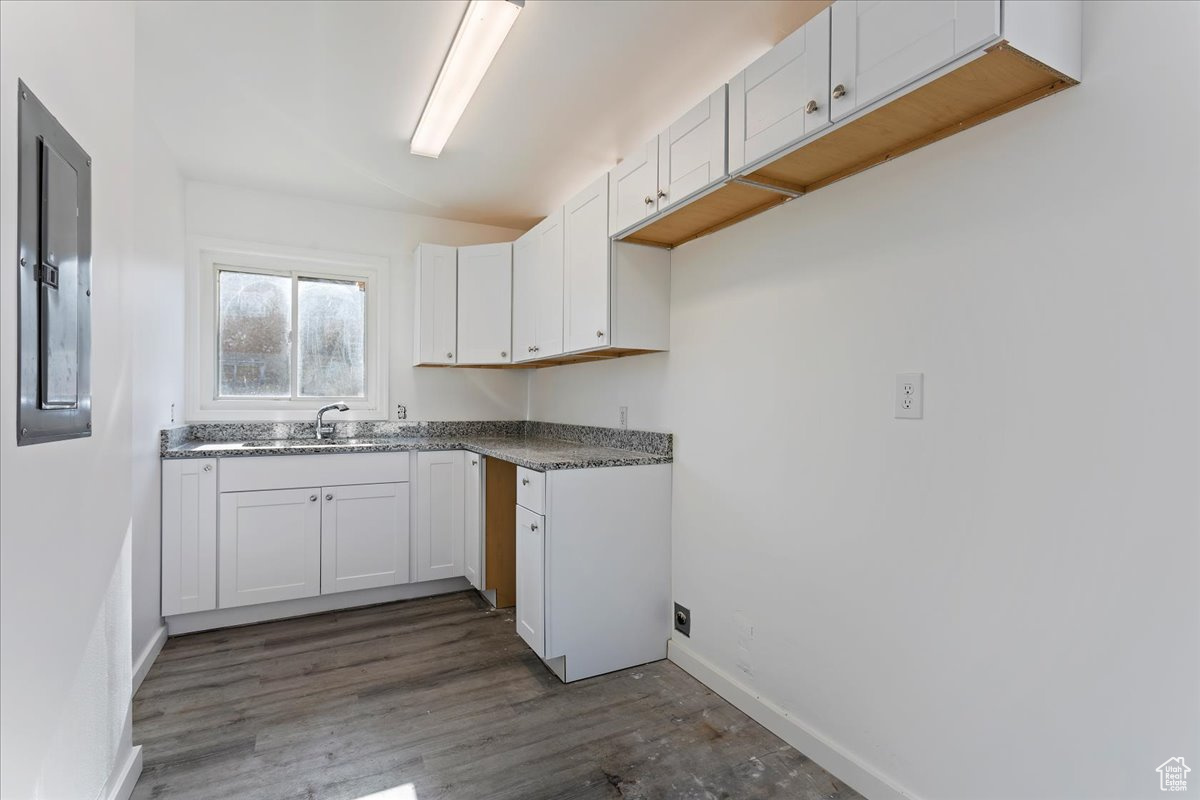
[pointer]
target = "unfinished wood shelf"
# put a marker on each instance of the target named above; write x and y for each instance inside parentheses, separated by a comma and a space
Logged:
(572, 358)
(1000, 80)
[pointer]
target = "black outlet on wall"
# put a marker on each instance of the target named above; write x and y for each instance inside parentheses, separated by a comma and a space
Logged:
(683, 620)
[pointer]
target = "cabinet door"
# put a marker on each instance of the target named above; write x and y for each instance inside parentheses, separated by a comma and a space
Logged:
(531, 579)
(633, 188)
(270, 546)
(524, 308)
(436, 317)
(440, 510)
(550, 277)
(189, 535)
(586, 268)
(364, 536)
(485, 304)
(878, 47)
(691, 153)
(782, 97)
(473, 520)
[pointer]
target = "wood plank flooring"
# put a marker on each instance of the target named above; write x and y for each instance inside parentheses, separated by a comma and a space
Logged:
(442, 694)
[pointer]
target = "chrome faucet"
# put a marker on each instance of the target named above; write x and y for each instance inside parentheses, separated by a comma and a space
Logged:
(322, 428)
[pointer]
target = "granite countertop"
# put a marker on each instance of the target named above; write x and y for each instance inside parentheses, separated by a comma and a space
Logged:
(536, 446)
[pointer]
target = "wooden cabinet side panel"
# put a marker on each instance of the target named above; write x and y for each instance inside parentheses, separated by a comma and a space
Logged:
(500, 531)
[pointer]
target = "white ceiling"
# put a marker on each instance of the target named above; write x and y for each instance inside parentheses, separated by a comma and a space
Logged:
(320, 98)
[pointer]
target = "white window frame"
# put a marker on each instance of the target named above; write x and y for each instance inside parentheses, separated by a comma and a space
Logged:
(207, 257)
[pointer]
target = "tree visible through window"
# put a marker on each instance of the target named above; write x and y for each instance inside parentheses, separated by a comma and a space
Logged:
(259, 356)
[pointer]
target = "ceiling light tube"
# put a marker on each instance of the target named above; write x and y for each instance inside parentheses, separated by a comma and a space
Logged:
(479, 37)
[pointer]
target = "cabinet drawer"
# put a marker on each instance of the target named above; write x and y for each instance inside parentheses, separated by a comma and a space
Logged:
(531, 490)
(336, 469)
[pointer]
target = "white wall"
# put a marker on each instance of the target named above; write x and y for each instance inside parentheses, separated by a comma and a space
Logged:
(65, 506)
(430, 394)
(154, 304)
(999, 600)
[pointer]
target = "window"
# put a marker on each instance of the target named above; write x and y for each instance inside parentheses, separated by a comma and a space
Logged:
(284, 333)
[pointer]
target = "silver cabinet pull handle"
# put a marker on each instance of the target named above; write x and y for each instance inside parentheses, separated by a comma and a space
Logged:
(839, 91)
(312, 498)
(504, 354)
(599, 334)
(208, 467)
(533, 526)
(524, 481)
(449, 355)
(649, 200)
(811, 107)
(474, 462)
(329, 497)
(661, 194)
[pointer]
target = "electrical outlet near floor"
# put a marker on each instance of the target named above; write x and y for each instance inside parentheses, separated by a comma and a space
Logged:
(623, 417)
(910, 395)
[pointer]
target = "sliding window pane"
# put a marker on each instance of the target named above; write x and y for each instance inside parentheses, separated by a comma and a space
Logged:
(330, 348)
(254, 357)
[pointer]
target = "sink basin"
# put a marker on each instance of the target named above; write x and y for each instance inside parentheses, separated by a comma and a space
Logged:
(284, 444)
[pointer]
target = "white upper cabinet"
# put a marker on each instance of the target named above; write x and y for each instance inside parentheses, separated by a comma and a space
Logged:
(548, 309)
(633, 188)
(782, 97)
(586, 268)
(435, 321)
(537, 307)
(524, 305)
(879, 46)
(485, 304)
(364, 536)
(691, 153)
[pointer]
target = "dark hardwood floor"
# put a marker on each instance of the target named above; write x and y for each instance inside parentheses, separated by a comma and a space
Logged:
(442, 694)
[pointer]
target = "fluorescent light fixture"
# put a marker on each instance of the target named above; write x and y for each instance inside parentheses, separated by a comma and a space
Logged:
(479, 37)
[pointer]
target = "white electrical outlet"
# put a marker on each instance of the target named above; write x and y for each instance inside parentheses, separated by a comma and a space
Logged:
(623, 416)
(910, 395)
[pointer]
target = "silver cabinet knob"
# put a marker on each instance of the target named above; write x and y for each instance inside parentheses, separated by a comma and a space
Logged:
(503, 354)
(599, 334)
(449, 355)
(208, 467)
(312, 498)
(839, 91)
(524, 481)
(329, 497)
(811, 107)
(649, 200)
(474, 462)
(533, 526)
(661, 194)
(530, 348)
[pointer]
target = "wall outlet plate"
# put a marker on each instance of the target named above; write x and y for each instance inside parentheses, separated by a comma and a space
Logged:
(910, 395)
(623, 416)
(683, 620)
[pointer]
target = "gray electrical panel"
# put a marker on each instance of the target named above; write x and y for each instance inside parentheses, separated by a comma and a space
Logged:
(54, 228)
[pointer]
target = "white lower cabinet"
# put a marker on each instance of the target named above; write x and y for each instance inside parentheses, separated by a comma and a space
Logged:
(364, 536)
(270, 546)
(189, 535)
(440, 487)
(593, 571)
(473, 520)
(531, 579)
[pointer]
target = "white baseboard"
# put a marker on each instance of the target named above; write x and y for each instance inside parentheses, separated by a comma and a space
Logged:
(847, 768)
(125, 776)
(263, 612)
(145, 659)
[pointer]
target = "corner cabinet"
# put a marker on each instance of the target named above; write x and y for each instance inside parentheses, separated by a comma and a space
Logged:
(585, 281)
(435, 316)
(440, 487)
(485, 304)
(189, 535)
